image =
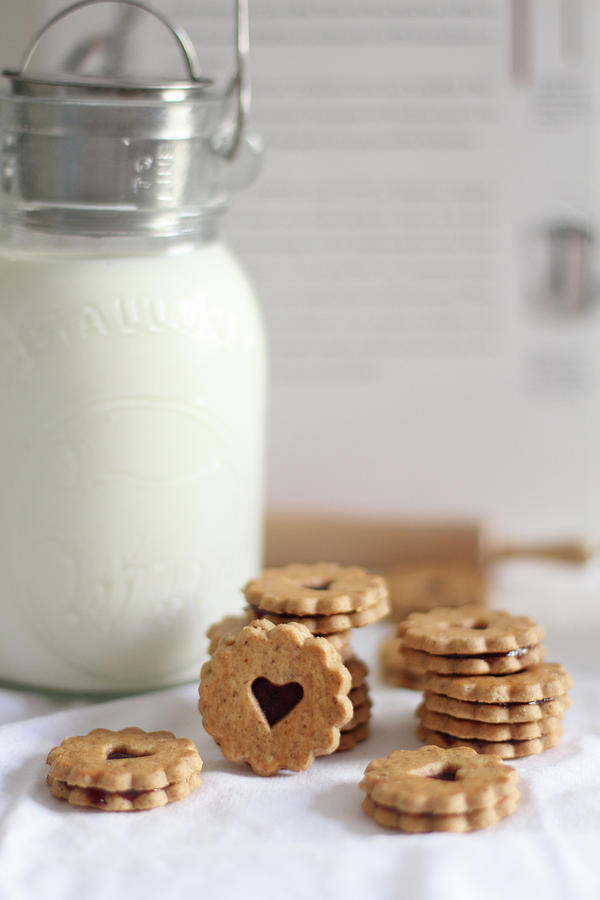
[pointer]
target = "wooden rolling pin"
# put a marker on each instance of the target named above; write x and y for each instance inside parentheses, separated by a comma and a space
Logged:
(380, 543)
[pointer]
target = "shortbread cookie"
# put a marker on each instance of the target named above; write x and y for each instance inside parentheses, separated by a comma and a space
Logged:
(227, 626)
(275, 696)
(503, 749)
(422, 586)
(123, 801)
(394, 669)
(341, 640)
(321, 589)
(469, 631)
(437, 781)
(350, 739)
(423, 823)
(358, 671)
(498, 713)
(538, 682)
(485, 731)
(360, 715)
(491, 664)
(123, 770)
(408, 678)
(359, 695)
(326, 625)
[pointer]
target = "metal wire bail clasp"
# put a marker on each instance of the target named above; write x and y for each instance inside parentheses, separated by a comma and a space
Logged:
(237, 92)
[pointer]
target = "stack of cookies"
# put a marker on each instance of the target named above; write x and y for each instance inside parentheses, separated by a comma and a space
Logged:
(120, 771)
(432, 789)
(485, 683)
(419, 587)
(394, 668)
(330, 600)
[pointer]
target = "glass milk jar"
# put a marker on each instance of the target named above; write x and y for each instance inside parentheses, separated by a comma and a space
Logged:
(131, 380)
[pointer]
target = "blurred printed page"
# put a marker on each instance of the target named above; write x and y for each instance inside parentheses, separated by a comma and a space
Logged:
(423, 239)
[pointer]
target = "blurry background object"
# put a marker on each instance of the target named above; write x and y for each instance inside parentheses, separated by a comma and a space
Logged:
(411, 151)
(565, 284)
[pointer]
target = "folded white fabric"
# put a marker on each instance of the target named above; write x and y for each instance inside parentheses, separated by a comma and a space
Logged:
(296, 835)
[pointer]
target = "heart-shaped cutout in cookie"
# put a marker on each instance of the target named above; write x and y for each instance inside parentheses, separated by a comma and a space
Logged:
(276, 700)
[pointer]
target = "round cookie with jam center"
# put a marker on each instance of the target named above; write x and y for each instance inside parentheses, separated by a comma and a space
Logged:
(497, 713)
(414, 823)
(547, 679)
(469, 631)
(319, 589)
(485, 664)
(327, 625)
(486, 731)
(504, 749)
(435, 781)
(394, 668)
(123, 770)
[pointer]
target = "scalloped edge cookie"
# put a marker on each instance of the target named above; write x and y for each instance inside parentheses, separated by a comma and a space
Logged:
(281, 655)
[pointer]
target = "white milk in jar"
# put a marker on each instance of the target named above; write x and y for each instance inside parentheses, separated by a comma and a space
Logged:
(131, 387)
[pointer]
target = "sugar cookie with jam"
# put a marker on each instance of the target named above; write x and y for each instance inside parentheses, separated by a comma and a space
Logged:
(122, 771)
(498, 713)
(438, 790)
(510, 749)
(470, 640)
(486, 731)
(320, 589)
(468, 630)
(394, 668)
(548, 680)
(275, 697)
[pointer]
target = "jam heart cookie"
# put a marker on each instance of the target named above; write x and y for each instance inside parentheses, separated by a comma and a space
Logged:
(321, 589)
(275, 697)
(121, 771)
(438, 790)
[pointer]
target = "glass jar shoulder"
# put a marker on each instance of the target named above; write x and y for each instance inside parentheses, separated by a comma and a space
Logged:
(206, 269)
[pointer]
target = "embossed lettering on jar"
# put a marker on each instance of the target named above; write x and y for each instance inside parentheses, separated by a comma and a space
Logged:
(132, 383)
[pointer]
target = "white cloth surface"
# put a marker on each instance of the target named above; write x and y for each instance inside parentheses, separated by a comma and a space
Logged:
(304, 835)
